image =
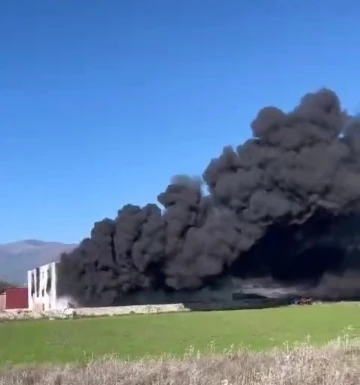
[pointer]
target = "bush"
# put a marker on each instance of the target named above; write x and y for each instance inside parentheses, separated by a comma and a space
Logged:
(336, 363)
(5, 285)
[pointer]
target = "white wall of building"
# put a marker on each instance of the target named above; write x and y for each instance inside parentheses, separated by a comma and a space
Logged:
(42, 288)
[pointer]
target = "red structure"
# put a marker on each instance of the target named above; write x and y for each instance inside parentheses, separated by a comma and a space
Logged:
(16, 298)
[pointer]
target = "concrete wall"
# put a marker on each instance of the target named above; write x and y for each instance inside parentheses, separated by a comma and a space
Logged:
(140, 309)
(42, 288)
(2, 302)
(169, 308)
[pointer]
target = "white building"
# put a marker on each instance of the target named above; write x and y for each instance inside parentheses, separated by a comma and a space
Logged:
(42, 288)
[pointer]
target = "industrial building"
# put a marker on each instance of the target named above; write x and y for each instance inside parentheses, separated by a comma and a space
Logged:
(42, 289)
(42, 294)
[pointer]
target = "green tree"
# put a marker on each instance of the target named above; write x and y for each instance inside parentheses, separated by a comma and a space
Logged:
(5, 285)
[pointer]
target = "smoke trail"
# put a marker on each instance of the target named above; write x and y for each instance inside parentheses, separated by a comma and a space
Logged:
(283, 204)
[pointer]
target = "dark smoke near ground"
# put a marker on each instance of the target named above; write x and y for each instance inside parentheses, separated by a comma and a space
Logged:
(284, 205)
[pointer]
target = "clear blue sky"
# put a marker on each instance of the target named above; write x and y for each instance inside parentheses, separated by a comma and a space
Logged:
(101, 101)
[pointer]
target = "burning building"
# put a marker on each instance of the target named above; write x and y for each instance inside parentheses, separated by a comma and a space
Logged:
(284, 206)
(42, 289)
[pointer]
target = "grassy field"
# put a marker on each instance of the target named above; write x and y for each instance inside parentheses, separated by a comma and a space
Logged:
(135, 336)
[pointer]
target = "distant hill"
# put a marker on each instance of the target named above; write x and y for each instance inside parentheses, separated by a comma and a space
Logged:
(16, 258)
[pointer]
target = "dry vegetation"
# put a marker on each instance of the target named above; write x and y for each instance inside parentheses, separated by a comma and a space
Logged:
(336, 363)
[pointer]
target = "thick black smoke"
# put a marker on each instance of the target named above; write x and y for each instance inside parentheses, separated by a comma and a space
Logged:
(285, 204)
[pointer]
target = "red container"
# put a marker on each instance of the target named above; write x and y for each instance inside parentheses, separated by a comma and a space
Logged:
(17, 298)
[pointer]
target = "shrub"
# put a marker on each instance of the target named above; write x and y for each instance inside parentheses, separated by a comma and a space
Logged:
(336, 363)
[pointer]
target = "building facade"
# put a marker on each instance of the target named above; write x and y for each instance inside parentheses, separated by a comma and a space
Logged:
(16, 298)
(42, 285)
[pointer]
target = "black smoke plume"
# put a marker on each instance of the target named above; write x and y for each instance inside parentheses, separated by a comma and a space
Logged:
(285, 204)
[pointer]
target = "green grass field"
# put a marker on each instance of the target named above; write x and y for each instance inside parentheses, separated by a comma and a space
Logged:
(134, 336)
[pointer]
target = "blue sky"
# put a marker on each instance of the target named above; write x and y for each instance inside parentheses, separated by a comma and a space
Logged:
(101, 101)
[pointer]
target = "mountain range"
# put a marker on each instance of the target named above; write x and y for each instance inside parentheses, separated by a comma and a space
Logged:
(16, 258)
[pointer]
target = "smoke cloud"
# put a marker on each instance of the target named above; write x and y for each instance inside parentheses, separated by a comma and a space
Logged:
(285, 204)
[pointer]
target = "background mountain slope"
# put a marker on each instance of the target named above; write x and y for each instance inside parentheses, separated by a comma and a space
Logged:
(16, 258)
